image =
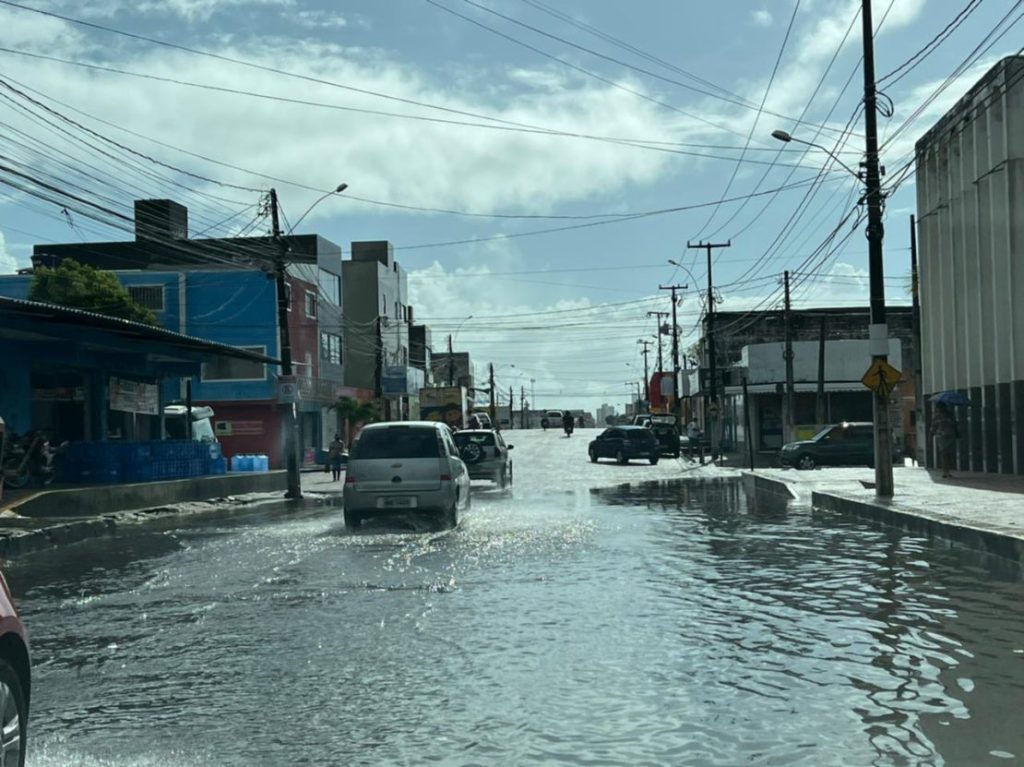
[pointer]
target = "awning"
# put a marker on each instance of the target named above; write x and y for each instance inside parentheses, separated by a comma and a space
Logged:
(771, 388)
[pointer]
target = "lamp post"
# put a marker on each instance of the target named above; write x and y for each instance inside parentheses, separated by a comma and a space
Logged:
(878, 329)
(287, 408)
(451, 354)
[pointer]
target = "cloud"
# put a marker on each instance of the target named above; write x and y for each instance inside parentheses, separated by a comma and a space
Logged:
(8, 263)
(317, 19)
(762, 17)
(189, 10)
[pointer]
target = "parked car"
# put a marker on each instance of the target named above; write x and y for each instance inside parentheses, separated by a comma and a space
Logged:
(15, 681)
(486, 455)
(668, 438)
(402, 467)
(842, 444)
(624, 443)
(551, 418)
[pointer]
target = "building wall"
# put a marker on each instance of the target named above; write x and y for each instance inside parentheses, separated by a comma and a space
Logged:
(970, 201)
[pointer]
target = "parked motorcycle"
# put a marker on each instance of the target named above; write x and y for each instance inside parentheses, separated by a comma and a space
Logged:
(30, 457)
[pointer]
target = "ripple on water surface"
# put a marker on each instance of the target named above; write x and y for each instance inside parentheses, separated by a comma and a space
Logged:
(664, 624)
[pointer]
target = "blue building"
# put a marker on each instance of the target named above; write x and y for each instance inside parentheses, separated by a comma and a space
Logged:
(223, 290)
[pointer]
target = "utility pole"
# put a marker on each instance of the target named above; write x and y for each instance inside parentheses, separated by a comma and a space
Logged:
(915, 286)
(712, 404)
(658, 316)
(878, 329)
(787, 355)
(522, 407)
(492, 409)
(820, 415)
(286, 409)
(677, 400)
(451, 362)
(511, 405)
(647, 375)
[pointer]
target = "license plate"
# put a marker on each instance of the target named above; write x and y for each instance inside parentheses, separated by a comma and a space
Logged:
(396, 502)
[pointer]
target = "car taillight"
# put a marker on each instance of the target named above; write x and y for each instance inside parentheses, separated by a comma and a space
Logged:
(446, 477)
(350, 480)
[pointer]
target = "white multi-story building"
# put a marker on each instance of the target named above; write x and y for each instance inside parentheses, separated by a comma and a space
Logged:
(970, 203)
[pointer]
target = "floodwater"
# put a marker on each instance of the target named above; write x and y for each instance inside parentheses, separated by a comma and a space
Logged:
(659, 624)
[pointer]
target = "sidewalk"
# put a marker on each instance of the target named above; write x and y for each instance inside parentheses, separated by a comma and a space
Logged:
(983, 511)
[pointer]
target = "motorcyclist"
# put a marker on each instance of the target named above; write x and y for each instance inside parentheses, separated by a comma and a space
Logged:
(568, 422)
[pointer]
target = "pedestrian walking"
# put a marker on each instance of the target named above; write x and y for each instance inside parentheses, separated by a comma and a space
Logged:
(335, 453)
(944, 429)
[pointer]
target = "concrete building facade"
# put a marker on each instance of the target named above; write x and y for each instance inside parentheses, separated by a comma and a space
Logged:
(970, 218)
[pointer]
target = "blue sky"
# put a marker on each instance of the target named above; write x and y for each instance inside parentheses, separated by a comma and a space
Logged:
(642, 87)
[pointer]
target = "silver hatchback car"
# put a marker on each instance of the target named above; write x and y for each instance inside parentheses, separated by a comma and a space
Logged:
(403, 467)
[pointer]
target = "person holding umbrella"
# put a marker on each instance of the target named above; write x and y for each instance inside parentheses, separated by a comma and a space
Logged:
(944, 430)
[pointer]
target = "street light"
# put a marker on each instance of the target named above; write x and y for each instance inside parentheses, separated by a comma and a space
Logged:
(878, 331)
(784, 137)
(451, 354)
(287, 409)
(688, 272)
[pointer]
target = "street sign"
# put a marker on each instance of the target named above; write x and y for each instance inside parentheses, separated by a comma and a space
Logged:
(287, 389)
(881, 378)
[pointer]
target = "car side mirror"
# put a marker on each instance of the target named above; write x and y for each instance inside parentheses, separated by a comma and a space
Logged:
(509, 447)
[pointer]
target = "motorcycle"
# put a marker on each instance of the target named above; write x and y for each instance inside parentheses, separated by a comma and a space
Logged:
(28, 457)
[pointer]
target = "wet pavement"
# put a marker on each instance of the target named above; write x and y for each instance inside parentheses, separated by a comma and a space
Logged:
(598, 614)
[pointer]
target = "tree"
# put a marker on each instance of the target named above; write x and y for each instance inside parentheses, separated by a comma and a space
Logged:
(80, 286)
(353, 412)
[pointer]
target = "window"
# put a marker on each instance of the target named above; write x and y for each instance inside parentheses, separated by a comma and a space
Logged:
(149, 296)
(311, 304)
(330, 348)
(232, 369)
(396, 442)
(330, 287)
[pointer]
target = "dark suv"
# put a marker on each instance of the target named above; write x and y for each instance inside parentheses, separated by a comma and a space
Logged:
(625, 442)
(844, 444)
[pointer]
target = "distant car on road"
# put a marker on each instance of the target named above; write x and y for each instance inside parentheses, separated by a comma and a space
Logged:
(486, 455)
(842, 444)
(624, 443)
(15, 682)
(668, 438)
(405, 466)
(551, 418)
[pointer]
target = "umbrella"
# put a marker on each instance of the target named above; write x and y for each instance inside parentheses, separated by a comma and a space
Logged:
(951, 398)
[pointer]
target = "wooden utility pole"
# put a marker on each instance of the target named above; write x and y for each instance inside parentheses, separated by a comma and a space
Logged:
(285, 409)
(789, 418)
(713, 406)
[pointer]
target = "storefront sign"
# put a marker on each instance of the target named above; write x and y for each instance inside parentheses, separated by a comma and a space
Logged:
(134, 397)
(59, 394)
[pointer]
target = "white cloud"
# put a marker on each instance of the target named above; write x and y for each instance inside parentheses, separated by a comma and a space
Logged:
(8, 263)
(318, 19)
(762, 17)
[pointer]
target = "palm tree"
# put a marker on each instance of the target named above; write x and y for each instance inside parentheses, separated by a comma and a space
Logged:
(353, 413)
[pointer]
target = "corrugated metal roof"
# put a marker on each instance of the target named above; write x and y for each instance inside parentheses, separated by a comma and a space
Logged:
(71, 316)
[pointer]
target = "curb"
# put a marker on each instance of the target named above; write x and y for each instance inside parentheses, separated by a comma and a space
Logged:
(759, 483)
(1002, 544)
(15, 541)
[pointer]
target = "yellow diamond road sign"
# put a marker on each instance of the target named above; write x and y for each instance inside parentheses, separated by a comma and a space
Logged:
(881, 377)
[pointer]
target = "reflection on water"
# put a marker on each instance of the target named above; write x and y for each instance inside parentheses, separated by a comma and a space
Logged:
(652, 624)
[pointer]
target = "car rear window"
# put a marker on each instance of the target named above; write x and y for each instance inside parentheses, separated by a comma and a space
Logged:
(640, 435)
(396, 442)
(463, 438)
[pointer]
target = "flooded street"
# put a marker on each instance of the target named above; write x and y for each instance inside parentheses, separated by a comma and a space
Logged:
(575, 621)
